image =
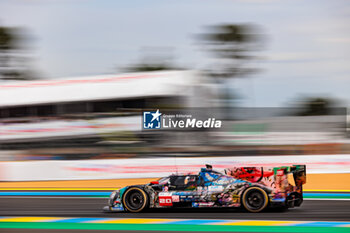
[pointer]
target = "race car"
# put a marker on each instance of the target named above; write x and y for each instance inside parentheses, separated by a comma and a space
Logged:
(253, 188)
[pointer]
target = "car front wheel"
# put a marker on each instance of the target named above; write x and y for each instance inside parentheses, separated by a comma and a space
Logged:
(135, 199)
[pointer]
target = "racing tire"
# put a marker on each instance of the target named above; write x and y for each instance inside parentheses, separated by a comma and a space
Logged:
(135, 200)
(255, 199)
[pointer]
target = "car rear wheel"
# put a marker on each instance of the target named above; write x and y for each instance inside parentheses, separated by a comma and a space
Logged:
(254, 199)
(135, 199)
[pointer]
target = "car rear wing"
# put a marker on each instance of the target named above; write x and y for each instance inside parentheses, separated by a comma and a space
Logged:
(295, 174)
(299, 173)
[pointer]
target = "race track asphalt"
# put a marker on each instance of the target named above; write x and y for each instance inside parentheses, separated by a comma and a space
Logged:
(311, 210)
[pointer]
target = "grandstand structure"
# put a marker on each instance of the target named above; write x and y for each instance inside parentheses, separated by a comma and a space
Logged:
(84, 107)
(104, 93)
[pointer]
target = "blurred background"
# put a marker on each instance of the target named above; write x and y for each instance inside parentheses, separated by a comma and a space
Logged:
(75, 77)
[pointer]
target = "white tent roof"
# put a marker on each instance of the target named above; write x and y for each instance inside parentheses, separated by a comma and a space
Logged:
(122, 86)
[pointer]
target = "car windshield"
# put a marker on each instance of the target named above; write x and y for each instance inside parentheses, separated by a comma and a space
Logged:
(164, 180)
(215, 177)
(225, 179)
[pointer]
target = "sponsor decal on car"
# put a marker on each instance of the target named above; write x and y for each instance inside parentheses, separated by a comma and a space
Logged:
(175, 198)
(164, 194)
(218, 188)
(280, 172)
(116, 208)
(206, 204)
(165, 199)
(203, 204)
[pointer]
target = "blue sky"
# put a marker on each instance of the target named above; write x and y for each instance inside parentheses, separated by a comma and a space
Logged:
(307, 51)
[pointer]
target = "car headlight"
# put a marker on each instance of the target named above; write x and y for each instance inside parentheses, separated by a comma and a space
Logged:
(112, 197)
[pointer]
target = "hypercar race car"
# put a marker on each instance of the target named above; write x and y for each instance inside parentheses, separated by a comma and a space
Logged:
(253, 188)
